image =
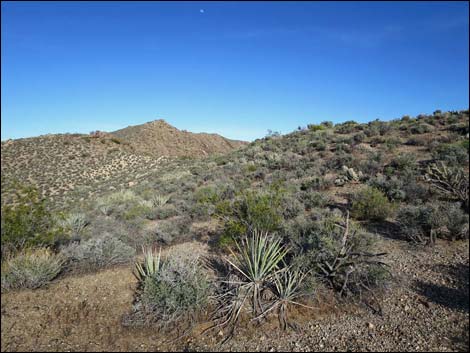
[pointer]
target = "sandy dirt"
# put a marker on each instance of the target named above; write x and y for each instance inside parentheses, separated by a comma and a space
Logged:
(425, 308)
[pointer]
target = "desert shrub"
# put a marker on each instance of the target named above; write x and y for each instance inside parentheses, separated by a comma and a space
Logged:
(252, 210)
(133, 211)
(75, 223)
(322, 239)
(126, 205)
(359, 137)
(162, 212)
(424, 223)
(344, 261)
(314, 127)
(179, 287)
(416, 222)
(318, 145)
(370, 204)
(98, 252)
(391, 143)
(27, 222)
(170, 231)
(460, 128)
(340, 159)
(465, 145)
(392, 187)
(455, 220)
(346, 128)
(30, 269)
(327, 124)
(450, 181)
(314, 183)
(312, 199)
(454, 153)
(419, 141)
(291, 206)
(405, 118)
(404, 162)
(421, 128)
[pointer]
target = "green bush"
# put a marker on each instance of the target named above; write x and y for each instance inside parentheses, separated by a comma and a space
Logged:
(27, 222)
(454, 153)
(405, 162)
(252, 210)
(371, 204)
(30, 269)
(416, 222)
(314, 127)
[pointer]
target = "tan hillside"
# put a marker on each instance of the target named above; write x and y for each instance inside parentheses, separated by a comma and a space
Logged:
(85, 165)
(158, 138)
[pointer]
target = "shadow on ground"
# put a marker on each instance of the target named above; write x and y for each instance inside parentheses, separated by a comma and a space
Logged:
(385, 229)
(455, 295)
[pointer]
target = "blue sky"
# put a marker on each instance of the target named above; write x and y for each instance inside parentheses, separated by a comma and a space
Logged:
(234, 68)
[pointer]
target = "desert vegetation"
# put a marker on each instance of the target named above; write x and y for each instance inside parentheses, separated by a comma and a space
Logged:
(287, 221)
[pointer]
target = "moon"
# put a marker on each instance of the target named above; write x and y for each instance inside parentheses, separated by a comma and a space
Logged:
(201, 10)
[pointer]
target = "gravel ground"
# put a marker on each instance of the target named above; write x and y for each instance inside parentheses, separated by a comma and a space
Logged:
(425, 309)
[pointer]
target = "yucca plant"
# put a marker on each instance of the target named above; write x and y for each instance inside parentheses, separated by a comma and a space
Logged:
(257, 261)
(76, 222)
(286, 287)
(253, 266)
(159, 200)
(146, 203)
(150, 265)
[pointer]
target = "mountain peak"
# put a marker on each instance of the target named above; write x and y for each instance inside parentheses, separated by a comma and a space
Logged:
(159, 138)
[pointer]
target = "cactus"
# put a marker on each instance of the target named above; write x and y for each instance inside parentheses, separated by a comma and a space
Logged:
(452, 182)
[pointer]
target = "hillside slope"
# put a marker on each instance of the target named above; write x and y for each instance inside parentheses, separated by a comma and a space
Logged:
(59, 164)
(158, 138)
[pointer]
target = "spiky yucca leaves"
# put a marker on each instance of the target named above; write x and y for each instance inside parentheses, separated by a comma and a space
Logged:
(250, 273)
(159, 200)
(150, 265)
(450, 181)
(257, 261)
(75, 222)
(286, 287)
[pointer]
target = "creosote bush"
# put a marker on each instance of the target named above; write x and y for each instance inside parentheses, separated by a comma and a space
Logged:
(371, 204)
(27, 222)
(251, 210)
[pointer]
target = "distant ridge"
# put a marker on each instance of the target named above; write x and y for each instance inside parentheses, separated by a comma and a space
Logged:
(158, 138)
(100, 161)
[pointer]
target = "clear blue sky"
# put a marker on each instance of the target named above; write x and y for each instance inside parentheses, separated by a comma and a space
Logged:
(235, 68)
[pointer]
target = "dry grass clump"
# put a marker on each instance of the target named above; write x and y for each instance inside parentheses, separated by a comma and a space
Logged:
(31, 268)
(171, 287)
(103, 251)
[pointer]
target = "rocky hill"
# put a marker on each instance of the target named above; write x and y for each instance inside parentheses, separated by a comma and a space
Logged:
(158, 138)
(81, 165)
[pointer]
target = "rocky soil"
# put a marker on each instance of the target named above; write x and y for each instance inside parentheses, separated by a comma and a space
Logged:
(426, 308)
